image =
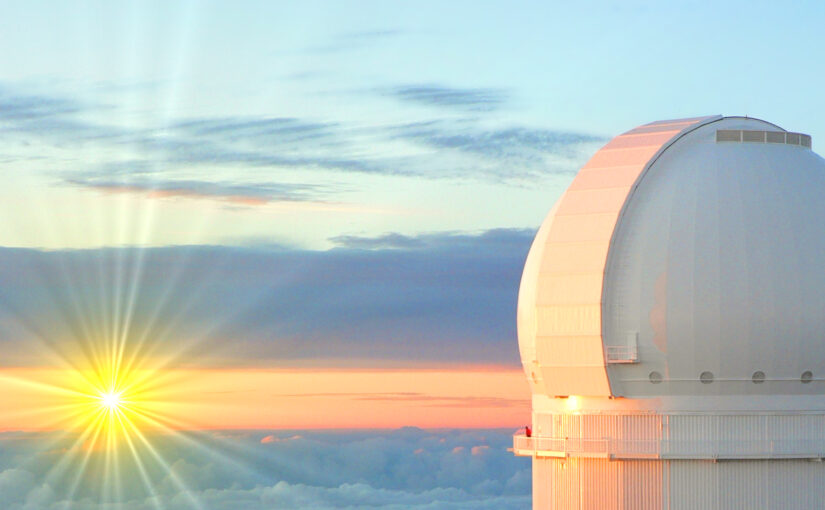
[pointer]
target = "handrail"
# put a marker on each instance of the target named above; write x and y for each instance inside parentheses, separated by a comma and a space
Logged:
(659, 448)
(622, 353)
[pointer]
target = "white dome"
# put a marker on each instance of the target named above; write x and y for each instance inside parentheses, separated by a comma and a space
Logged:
(686, 258)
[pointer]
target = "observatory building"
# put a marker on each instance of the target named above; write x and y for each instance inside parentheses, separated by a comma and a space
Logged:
(671, 323)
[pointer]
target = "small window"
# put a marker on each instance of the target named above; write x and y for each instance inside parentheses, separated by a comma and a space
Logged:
(758, 377)
(655, 377)
(793, 138)
(807, 376)
(806, 140)
(706, 377)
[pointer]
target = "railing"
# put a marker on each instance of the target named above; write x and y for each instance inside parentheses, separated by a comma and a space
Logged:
(668, 449)
(622, 354)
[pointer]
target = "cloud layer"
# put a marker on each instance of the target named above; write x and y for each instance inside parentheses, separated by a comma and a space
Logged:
(380, 470)
(437, 298)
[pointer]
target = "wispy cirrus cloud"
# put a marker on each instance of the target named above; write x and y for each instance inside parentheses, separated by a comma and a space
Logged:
(280, 130)
(247, 142)
(504, 143)
(506, 152)
(51, 117)
(464, 99)
(452, 147)
(353, 41)
(16, 107)
(240, 194)
(200, 150)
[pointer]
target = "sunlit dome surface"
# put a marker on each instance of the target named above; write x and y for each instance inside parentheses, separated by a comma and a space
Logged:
(684, 259)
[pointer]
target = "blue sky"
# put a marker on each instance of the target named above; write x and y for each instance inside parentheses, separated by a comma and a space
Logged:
(391, 128)
(364, 118)
(369, 174)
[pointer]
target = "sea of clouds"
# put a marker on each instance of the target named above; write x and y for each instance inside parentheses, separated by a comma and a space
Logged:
(407, 468)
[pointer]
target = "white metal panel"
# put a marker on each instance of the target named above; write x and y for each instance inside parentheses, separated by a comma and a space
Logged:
(565, 321)
(567, 258)
(780, 485)
(597, 484)
(681, 436)
(579, 468)
(558, 285)
(561, 351)
(607, 177)
(732, 233)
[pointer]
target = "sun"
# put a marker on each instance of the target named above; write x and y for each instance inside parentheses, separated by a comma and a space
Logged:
(111, 401)
(112, 421)
(115, 404)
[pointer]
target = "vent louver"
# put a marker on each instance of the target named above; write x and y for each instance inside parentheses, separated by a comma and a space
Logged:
(750, 136)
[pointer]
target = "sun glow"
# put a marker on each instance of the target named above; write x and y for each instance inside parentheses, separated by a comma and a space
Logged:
(111, 401)
(104, 409)
(110, 406)
(110, 421)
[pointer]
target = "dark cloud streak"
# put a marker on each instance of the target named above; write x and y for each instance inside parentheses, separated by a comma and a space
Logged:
(278, 129)
(466, 99)
(24, 107)
(353, 41)
(516, 152)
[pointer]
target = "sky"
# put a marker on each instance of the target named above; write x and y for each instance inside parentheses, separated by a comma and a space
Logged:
(314, 215)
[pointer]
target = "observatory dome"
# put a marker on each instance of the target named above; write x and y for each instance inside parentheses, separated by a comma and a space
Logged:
(685, 259)
(671, 316)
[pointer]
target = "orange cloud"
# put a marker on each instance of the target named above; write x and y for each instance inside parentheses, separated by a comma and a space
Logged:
(274, 439)
(182, 193)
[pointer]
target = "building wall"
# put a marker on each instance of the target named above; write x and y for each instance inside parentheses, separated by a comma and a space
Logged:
(757, 484)
(601, 484)
(685, 435)
(597, 484)
(644, 461)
